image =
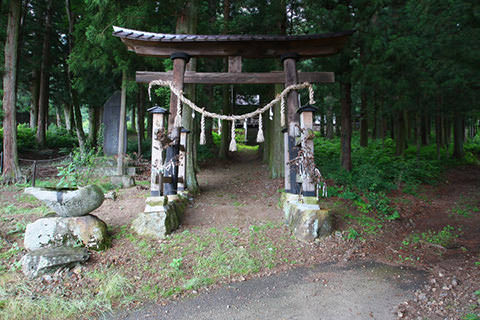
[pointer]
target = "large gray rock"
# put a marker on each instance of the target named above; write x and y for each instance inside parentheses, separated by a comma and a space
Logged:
(69, 202)
(48, 260)
(88, 231)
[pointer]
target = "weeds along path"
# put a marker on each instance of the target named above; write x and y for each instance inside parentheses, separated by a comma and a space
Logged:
(236, 192)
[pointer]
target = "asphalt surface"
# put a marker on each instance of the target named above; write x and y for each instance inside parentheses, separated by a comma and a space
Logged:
(328, 291)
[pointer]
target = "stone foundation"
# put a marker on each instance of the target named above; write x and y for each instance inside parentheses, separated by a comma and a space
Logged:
(304, 217)
(162, 215)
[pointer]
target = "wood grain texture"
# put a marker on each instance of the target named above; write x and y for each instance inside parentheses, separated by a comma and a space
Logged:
(235, 77)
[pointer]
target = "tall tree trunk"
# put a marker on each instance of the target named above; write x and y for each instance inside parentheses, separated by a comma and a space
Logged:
(418, 132)
(346, 138)
(44, 79)
(438, 134)
(122, 126)
(93, 126)
(276, 152)
(58, 116)
(329, 124)
(68, 114)
(400, 134)
(133, 121)
(424, 130)
(11, 171)
(140, 119)
(34, 90)
(71, 91)
(458, 133)
(363, 119)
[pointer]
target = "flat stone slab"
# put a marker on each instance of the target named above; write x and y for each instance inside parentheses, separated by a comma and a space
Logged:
(88, 231)
(69, 202)
(124, 181)
(47, 260)
(361, 291)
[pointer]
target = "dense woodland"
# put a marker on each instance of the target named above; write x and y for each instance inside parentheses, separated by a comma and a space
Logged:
(410, 72)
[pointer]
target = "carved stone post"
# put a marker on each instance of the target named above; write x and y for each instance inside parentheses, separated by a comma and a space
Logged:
(306, 123)
(157, 151)
(291, 77)
(182, 173)
(180, 59)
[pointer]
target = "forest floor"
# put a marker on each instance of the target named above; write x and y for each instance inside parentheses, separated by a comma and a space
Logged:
(233, 232)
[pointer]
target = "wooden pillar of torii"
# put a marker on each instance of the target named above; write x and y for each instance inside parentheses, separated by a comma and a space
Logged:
(180, 47)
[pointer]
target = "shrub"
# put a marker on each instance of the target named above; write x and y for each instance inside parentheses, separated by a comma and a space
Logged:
(60, 138)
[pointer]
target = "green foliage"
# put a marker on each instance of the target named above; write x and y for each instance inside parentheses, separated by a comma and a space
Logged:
(444, 237)
(78, 171)
(60, 138)
(375, 168)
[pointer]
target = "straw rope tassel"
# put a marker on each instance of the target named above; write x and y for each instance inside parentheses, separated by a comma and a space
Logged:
(245, 127)
(282, 111)
(178, 117)
(260, 137)
(202, 130)
(311, 94)
(233, 143)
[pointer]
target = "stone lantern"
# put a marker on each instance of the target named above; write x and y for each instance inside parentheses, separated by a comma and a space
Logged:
(159, 115)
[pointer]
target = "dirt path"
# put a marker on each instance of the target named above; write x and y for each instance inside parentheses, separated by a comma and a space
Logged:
(237, 192)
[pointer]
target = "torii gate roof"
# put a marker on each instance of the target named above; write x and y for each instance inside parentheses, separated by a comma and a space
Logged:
(248, 46)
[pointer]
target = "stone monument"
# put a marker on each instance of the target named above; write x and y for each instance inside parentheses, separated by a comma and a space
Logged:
(111, 123)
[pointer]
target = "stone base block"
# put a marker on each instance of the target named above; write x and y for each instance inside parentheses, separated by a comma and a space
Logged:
(47, 260)
(124, 181)
(88, 231)
(161, 217)
(305, 218)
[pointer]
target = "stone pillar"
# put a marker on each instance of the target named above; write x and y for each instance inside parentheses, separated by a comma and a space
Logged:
(182, 173)
(306, 123)
(289, 65)
(180, 60)
(157, 151)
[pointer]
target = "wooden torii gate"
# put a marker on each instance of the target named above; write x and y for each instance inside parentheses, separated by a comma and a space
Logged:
(180, 47)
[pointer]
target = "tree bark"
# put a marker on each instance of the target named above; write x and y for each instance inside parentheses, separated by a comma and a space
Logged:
(438, 134)
(400, 134)
(276, 165)
(122, 126)
(140, 119)
(458, 132)
(92, 126)
(44, 79)
(68, 114)
(346, 135)
(363, 119)
(34, 91)
(58, 116)
(11, 171)
(329, 124)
